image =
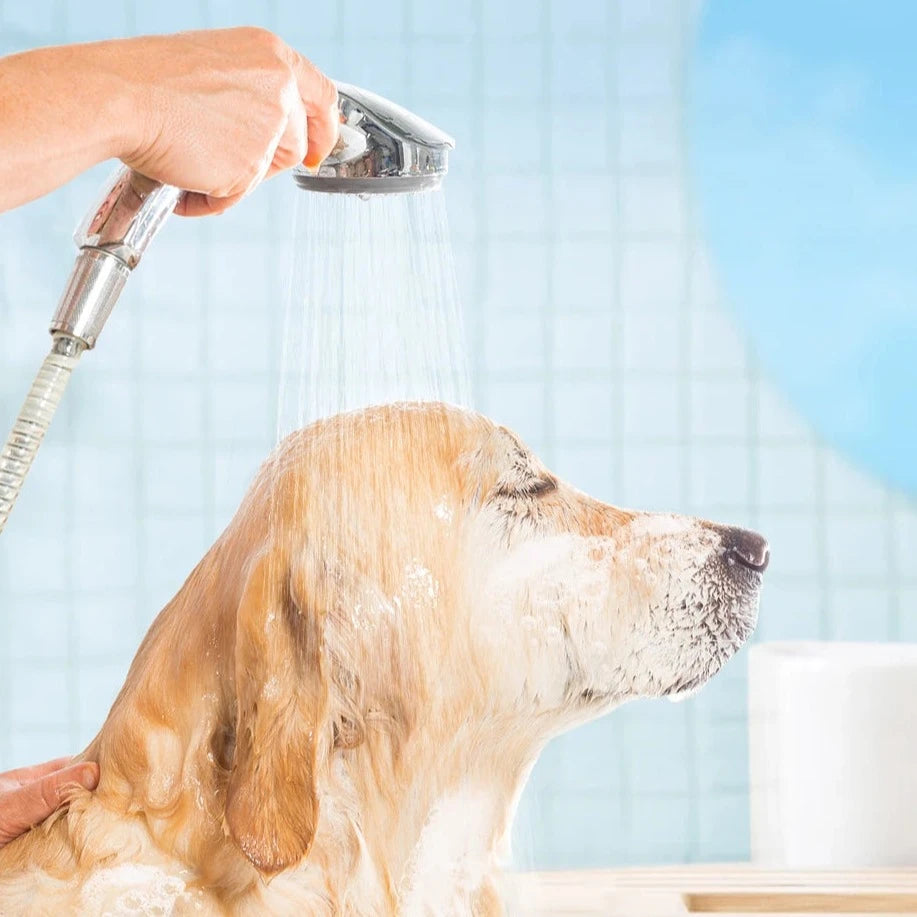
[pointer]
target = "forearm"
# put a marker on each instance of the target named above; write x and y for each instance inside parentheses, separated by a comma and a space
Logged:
(62, 110)
(212, 112)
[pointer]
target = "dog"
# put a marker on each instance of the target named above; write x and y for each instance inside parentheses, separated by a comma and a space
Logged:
(338, 711)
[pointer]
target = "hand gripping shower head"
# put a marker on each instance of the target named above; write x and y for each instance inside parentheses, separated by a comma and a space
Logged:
(382, 149)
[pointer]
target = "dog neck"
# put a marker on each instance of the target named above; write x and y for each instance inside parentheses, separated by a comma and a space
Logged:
(432, 822)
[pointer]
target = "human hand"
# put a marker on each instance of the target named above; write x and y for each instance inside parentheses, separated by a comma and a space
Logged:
(216, 112)
(29, 795)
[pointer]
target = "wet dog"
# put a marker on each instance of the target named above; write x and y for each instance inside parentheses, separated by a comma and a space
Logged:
(338, 711)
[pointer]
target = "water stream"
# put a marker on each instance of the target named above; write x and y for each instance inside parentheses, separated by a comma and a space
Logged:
(373, 312)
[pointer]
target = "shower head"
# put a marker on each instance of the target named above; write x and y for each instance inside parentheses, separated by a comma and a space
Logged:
(382, 149)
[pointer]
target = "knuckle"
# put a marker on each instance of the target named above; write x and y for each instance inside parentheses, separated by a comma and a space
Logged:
(238, 183)
(257, 35)
(277, 50)
(275, 44)
(246, 178)
(281, 90)
(275, 114)
(256, 171)
(224, 186)
(271, 115)
(272, 54)
(289, 94)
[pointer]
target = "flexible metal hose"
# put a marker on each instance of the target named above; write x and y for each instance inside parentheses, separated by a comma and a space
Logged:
(35, 418)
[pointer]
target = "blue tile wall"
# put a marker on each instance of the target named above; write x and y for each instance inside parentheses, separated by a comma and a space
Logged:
(597, 329)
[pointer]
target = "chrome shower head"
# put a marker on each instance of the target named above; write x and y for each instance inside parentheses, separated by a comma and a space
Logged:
(382, 149)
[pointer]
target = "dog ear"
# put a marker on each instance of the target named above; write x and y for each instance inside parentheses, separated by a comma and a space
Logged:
(281, 703)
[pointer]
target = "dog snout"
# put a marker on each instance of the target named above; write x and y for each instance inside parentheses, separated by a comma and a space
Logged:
(745, 548)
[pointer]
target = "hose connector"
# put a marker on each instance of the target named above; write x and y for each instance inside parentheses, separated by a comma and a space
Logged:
(112, 240)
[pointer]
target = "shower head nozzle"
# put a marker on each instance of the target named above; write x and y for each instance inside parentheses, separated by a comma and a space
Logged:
(382, 148)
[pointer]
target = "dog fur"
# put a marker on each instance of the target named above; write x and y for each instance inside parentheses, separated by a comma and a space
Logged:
(338, 711)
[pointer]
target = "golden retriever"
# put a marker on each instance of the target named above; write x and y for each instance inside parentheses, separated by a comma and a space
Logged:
(338, 711)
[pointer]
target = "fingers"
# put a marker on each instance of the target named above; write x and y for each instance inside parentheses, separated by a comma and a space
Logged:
(34, 801)
(291, 150)
(288, 151)
(53, 788)
(323, 135)
(22, 775)
(319, 96)
(305, 131)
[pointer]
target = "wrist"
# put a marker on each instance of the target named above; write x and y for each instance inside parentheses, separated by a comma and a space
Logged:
(117, 74)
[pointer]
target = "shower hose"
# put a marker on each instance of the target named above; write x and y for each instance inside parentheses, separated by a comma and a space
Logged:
(35, 418)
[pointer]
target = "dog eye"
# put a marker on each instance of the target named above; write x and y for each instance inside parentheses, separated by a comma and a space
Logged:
(528, 487)
(538, 487)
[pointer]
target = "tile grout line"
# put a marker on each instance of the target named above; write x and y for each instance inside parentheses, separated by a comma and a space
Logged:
(753, 491)
(613, 152)
(477, 337)
(548, 317)
(547, 312)
(685, 27)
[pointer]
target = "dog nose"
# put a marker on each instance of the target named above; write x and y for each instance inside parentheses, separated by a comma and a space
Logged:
(748, 549)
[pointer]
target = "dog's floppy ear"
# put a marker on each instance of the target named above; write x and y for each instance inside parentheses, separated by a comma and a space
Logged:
(281, 701)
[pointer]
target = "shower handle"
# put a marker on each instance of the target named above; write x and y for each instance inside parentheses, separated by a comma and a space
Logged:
(111, 240)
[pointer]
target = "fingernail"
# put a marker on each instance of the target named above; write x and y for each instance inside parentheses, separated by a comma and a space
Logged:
(89, 776)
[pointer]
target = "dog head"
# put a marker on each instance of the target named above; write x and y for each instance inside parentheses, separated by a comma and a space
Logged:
(416, 564)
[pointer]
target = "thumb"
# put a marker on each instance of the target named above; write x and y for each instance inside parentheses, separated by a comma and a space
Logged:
(34, 802)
